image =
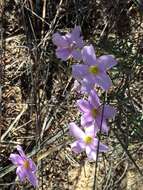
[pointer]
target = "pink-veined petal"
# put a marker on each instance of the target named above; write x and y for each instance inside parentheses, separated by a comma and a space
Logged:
(75, 131)
(88, 55)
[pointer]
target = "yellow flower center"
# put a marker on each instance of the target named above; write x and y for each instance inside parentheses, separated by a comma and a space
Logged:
(88, 139)
(93, 70)
(26, 164)
(94, 112)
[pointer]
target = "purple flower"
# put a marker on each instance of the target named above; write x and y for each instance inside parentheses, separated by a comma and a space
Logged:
(92, 112)
(86, 141)
(69, 45)
(25, 166)
(94, 69)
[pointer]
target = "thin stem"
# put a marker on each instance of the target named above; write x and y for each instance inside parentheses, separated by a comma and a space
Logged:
(96, 163)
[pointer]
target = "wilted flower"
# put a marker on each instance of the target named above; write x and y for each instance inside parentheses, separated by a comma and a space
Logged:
(86, 141)
(82, 86)
(76, 86)
(94, 69)
(26, 168)
(69, 45)
(92, 112)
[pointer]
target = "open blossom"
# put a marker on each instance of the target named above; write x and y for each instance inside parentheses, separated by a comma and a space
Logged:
(92, 112)
(26, 168)
(69, 45)
(86, 141)
(94, 69)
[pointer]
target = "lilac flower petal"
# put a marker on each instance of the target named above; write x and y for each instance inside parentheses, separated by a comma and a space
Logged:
(91, 79)
(77, 147)
(80, 43)
(94, 99)
(79, 71)
(83, 105)
(104, 127)
(88, 55)
(109, 111)
(76, 36)
(76, 131)
(68, 36)
(86, 86)
(76, 54)
(106, 62)
(63, 54)
(75, 40)
(91, 154)
(76, 32)
(87, 120)
(21, 152)
(103, 148)
(94, 144)
(32, 178)
(21, 173)
(16, 159)
(60, 41)
(104, 81)
(33, 166)
(91, 130)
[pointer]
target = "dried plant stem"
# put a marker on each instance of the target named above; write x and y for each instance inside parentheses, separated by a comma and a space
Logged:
(43, 17)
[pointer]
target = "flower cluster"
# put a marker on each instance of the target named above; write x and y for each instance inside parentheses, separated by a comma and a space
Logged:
(91, 73)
